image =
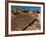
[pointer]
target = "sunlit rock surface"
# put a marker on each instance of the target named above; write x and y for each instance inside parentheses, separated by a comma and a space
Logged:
(21, 19)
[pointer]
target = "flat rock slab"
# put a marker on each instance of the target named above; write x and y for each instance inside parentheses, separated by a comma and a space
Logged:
(20, 22)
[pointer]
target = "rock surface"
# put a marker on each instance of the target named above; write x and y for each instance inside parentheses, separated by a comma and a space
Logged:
(21, 20)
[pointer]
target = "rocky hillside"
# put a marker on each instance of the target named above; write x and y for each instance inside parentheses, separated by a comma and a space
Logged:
(24, 20)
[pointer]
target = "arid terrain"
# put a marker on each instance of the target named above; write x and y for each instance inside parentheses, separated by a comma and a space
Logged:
(22, 19)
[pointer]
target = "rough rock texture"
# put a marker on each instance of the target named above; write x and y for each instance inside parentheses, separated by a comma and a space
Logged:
(21, 20)
(34, 26)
